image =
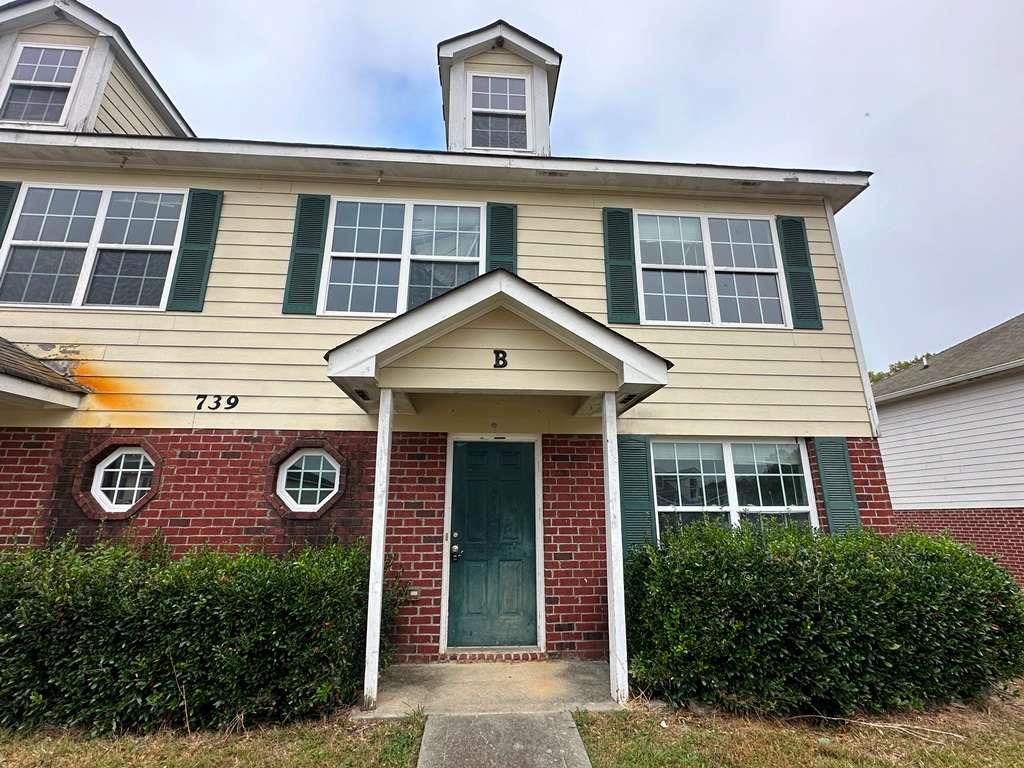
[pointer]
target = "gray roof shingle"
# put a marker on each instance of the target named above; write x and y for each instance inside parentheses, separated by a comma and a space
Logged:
(996, 346)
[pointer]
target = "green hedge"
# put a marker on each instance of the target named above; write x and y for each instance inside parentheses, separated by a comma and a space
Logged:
(116, 638)
(786, 621)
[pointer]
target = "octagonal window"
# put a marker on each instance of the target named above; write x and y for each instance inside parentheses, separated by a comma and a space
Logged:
(122, 478)
(308, 479)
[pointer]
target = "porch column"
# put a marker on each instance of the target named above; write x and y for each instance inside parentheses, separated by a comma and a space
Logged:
(618, 669)
(380, 519)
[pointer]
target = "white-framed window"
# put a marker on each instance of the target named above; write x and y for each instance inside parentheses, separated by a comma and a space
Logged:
(91, 246)
(498, 112)
(385, 257)
(40, 83)
(122, 478)
(731, 481)
(308, 479)
(707, 269)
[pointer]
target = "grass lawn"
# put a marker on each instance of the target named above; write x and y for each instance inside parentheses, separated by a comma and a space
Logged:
(991, 736)
(336, 742)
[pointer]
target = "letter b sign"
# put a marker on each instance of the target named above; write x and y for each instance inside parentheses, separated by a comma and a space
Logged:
(500, 358)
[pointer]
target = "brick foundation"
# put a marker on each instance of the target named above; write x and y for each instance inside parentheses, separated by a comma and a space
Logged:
(868, 480)
(995, 532)
(213, 491)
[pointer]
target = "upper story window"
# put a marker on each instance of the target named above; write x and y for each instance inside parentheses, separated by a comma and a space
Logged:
(732, 482)
(740, 283)
(91, 247)
(40, 86)
(498, 112)
(388, 257)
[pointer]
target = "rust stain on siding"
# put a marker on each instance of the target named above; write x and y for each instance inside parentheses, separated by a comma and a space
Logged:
(109, 393)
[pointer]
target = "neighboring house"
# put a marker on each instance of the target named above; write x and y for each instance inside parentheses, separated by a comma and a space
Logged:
(532, 362)
(952, 438)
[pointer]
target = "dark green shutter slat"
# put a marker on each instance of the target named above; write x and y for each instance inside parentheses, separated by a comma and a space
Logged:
(796, 259)
(195, 254)
(501, 236)
(837, 484)
(8, 196)
(636, 492)
(620, 266)
(302, 287)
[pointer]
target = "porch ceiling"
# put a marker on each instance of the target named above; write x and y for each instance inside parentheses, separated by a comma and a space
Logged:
(497, 334)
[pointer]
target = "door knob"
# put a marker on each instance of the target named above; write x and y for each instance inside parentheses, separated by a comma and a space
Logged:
(456, 553)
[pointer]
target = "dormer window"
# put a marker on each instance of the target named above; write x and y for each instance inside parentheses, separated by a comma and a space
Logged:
(498, 112)
(39, 88)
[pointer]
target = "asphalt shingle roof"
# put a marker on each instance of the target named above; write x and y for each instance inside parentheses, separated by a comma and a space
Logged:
(16, 362)
(996, 346)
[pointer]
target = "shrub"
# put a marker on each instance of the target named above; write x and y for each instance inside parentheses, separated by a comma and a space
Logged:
(783, 620)
(116, 638)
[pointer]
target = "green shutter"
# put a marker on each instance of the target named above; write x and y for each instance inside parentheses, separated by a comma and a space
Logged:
(837, 484)
(195, 254)
(501, 236)
(620, 266)
(8, 196)
(636, 492)
(302, 287)
(796, 258)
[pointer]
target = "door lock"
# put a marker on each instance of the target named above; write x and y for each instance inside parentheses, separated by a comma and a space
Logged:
(456, 553)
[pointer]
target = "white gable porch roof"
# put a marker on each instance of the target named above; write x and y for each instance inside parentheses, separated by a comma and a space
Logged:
(355, 366)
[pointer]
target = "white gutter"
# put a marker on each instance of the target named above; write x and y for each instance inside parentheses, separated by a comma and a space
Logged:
(858, 346)
(950, 380)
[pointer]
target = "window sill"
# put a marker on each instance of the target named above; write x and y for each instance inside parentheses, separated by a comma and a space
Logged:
(670, 324)
(359, 315)
(87, 307)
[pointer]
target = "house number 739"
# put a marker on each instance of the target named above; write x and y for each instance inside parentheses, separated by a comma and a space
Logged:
(216, 402)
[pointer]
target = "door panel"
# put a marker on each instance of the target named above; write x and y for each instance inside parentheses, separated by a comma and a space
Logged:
(492, 592)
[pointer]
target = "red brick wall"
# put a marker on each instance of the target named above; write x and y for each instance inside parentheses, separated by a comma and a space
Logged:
(575, 565)
(213, 491)
(28, 467)
(868, 480)
(995, 532)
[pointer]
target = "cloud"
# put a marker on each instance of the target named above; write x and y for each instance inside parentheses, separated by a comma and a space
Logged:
(927, 94)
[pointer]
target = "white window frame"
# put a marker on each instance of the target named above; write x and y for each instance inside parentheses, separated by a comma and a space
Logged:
(406, 257)
(282, 473)
(734, 510)
(709, 270)
(72, 87)
(527, 113)
(91, 248)
(97, 479)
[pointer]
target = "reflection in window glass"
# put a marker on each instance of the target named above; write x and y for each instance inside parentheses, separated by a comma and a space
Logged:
(749, 298)
(141, 218)
(769, 475)
(368, 227)
(363, 285)
(675, 240)
(429, 279)
(41, 275)
(445, 230)
(742, 243)
(57, 215)
(128, 278)
(689, 475)
(125, 479)
(310, 479)
(676, 296)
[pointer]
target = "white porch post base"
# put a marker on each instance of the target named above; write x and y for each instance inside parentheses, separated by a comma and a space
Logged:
(617, 662)
(380, 519)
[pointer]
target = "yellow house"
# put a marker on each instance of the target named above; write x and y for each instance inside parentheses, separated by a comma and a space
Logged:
(501, 366)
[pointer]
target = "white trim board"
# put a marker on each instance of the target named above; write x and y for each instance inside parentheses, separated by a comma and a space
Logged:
(29, 394)
(538, 469)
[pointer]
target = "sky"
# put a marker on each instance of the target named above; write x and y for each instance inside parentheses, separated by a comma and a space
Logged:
(928, 95)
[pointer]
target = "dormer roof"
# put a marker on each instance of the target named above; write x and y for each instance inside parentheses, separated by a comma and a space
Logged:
(498, 34)
(21, 14)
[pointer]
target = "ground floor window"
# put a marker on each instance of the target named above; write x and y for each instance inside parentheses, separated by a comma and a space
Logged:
(730, 482)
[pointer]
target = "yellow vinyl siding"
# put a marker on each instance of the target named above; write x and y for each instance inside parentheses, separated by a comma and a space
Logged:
(57, 33)
(147, 366)
(496, 61)
(465, 358)
(125, 110)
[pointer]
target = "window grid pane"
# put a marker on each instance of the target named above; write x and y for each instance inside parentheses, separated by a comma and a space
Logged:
(35, 104)
(749, 298)
(368, 228)
(769, 475)
(363, 285)
(41, 275)
(499, 131)
(127, 478)
(499, 93)
(141, 218)
(56, 215)
(128, 278)
(742, 243)
(46, 65)
(310, 479)
(671, 240)
(430, 279)
(675, 296)
(689, 475)
(445, 230)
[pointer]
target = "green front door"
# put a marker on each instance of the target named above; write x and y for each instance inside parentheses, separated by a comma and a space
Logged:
(492, 592)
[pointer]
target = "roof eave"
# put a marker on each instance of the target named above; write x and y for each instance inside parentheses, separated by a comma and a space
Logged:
(963, 378)
(384, 165)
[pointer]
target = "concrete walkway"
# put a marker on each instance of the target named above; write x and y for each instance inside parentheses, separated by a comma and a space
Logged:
(547, 740)
(484, 688)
